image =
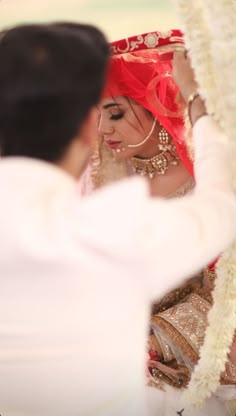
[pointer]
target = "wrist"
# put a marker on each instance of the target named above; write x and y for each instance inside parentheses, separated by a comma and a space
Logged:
(196, 107)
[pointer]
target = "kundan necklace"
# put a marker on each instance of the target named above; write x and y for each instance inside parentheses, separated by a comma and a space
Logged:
(159, 163)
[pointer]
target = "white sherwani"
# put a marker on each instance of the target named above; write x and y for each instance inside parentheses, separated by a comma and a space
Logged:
(77, 277)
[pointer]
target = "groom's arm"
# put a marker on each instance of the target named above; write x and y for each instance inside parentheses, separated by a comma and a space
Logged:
(192, 231)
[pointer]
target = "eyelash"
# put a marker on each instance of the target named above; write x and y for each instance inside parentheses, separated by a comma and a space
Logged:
(116, 116)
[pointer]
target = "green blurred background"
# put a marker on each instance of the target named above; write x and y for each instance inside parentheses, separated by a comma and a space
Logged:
(118, 18)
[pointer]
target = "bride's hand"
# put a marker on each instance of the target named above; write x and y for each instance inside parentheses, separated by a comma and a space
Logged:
(184, 77)
(183, 74)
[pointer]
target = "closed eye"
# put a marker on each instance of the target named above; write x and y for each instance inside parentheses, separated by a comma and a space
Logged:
(116, 116)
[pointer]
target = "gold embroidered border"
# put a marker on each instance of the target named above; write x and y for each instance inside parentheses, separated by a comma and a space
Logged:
(176, 337)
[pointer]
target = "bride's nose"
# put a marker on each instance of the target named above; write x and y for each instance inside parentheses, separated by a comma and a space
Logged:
(105, 127)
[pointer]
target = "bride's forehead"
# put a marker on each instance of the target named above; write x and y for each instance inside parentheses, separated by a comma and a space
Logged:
(119, 99)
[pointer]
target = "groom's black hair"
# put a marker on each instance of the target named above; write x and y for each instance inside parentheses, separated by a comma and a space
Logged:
(50, 77)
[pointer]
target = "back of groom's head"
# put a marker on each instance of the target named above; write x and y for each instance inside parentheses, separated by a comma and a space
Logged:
(50, 77)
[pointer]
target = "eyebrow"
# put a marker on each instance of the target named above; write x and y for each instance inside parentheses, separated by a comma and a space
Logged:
(106, 106)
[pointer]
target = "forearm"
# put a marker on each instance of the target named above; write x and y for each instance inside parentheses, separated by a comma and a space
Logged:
(196, 109)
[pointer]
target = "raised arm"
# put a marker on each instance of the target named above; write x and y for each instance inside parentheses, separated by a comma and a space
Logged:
(192, 231)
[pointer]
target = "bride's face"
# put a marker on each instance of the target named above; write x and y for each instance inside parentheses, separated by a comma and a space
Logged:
(123, 122)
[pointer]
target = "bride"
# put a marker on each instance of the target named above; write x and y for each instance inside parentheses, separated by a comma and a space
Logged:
(143, 130)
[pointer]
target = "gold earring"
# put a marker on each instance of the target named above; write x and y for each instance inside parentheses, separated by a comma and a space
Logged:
(163, 137)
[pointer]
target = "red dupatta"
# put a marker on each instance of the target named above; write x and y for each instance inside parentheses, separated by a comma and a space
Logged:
(141, 68)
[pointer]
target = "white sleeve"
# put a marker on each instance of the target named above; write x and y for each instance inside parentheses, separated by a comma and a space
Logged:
(213, 156)
(192, 231)
(168, 240)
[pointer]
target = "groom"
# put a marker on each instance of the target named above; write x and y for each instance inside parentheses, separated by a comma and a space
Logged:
(77, 276)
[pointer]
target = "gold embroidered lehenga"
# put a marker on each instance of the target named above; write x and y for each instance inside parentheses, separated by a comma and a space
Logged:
(178, 325)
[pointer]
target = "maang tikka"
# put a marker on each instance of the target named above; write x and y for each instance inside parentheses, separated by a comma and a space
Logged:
(159, 163)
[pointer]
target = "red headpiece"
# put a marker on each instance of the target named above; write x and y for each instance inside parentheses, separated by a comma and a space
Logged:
(141, 68)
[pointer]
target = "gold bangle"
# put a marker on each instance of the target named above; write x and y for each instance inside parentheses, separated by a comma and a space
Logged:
(180, 48)
(190, 101)
(192, 97)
